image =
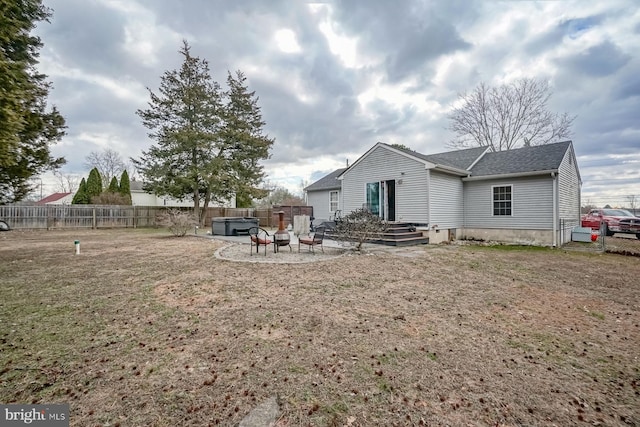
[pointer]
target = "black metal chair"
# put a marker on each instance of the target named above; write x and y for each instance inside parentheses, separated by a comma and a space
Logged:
(312, 241)
(259, 237)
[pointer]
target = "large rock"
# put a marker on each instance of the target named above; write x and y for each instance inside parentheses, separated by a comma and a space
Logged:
(263, 415)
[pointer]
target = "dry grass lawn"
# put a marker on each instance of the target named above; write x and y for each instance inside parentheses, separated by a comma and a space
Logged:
(144, 329)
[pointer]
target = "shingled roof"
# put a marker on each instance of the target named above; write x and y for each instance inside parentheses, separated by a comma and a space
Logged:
(459, 159)
(512, 162)
(329, 182)
(52, 198)
(522, 160)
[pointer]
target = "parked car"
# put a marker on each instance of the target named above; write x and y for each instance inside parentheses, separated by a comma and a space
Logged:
(4, 226)
(616, 220)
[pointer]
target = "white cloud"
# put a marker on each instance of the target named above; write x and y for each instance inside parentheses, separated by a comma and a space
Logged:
(124, 87)
(331, 80)
(144, 37)
(286, 41)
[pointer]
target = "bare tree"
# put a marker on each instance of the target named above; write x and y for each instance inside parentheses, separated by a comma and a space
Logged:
(632, 202)
(280, 196)
(108, 162)
(507, 117)
(66, 182)
(587, 207)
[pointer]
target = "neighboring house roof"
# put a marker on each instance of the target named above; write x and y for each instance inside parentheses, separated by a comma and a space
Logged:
(52, 198)
(540, 158)
(135, 185)
(329, 182)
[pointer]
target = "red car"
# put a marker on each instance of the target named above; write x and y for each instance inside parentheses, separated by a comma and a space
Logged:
(616, 220)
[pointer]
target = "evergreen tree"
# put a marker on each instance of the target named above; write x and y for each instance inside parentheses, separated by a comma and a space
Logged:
(80, 198)
(184, 121)
(204, 148)
(94, 184)
(244, 137)
(125, 186)
(113, 185)
(27, 127)
(243, 200)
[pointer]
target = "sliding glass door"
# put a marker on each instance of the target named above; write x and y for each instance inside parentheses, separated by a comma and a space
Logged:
(381, 198)
(373, 197)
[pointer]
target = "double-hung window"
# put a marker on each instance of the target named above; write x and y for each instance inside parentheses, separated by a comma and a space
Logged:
(333, 201)
(502, 200)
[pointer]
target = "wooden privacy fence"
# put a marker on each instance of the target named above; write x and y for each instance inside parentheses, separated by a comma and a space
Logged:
(78, 216)
(289, 213)
(113, 216)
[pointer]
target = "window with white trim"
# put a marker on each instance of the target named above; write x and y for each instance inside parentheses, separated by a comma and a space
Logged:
(333, 201)
(502, 200)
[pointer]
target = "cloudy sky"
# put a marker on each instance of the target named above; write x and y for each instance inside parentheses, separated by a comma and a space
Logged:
(336, 77)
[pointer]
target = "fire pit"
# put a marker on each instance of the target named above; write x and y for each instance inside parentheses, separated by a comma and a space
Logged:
(281, 237)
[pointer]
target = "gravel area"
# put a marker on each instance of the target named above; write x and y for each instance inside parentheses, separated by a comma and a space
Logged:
(241, 252)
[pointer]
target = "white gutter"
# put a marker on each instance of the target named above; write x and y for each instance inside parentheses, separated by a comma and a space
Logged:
(429, 197)
(457, 171)
(509, 175)
(555, 209)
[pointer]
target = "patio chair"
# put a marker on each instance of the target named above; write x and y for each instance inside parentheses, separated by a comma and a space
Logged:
(259, 237)
(312, 241)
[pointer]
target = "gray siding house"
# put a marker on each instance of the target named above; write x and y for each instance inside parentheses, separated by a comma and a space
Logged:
(529, 195)
(325, 196)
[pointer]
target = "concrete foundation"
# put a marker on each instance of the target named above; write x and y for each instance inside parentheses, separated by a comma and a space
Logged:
(522, 237)
(437, 236)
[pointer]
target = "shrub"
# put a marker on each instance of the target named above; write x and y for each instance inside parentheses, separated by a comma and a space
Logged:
(359, 226)
(109, 198)
(177, 221)
(113, 185)
(94, 184)
(125, 187)
(81, 198)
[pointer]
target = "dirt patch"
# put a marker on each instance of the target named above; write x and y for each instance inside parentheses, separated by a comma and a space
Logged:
(145, 329)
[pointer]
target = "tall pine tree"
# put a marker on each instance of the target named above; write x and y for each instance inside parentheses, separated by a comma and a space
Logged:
(184, 121)
(125, 186)
(205, 149)
(94, 184)
(27, 127)
(113, 185)
(81, 198)
(244, 137)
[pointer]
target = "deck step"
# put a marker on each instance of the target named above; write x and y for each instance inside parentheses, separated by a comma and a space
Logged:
(404, 234)
(403, 242)
(399, 234)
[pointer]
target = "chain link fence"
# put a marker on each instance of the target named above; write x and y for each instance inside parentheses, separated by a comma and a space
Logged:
(624, 244)
(619, 243)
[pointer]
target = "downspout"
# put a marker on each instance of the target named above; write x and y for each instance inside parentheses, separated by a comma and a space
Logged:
(429, 197)
(555, 209)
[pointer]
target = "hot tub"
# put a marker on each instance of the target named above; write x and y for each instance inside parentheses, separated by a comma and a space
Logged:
(232, 226)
